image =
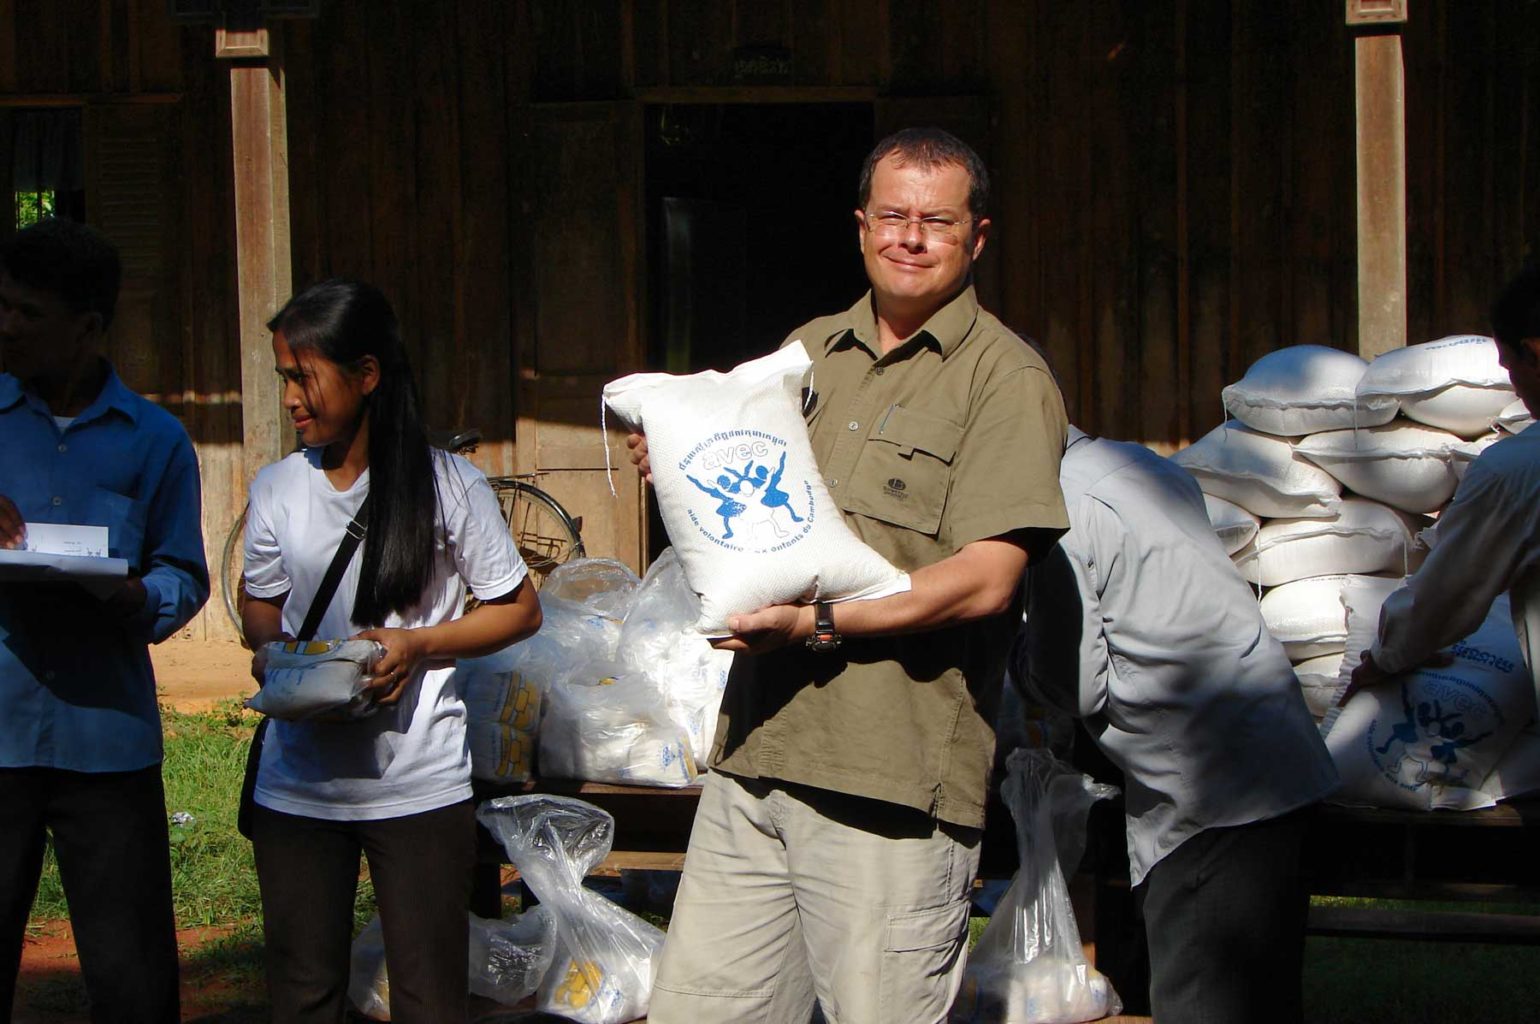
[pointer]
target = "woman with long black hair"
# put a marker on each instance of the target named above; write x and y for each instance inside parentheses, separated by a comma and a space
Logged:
(395, 786)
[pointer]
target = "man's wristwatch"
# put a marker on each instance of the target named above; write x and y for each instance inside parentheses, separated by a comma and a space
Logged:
(824, 638)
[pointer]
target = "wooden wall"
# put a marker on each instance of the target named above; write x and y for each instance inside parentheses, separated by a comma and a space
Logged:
(156, 126)
(1173, 184)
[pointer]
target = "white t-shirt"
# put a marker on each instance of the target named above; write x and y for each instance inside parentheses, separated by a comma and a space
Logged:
(402, 760)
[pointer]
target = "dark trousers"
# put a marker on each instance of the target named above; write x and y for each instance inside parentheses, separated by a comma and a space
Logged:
(1225, 916)
(110, 840)
(421, 868)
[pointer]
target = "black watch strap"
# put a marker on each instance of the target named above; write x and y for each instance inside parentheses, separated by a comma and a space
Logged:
(825, 637)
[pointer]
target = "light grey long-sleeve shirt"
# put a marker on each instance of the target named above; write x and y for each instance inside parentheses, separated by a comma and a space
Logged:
(1139, 624)
(1486, 542)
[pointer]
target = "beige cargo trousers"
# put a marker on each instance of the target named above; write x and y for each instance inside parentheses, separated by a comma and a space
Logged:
(791, 894)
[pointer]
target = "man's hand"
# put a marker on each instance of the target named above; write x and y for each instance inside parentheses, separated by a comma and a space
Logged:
(767, 629)
(13, 531)
(1367, 674)
(403, 652)
(638, 445)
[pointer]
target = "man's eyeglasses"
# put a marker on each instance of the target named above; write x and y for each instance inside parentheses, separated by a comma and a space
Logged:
(892, 224)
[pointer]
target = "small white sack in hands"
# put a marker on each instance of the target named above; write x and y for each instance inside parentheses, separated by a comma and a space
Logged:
(1303, 389)
(1454, 383)
(607, 723)
(659, 639)
(1260, 473)
(740, 492)
(1428, 738)
(602, 972)
(1029, 966)
(318, 679)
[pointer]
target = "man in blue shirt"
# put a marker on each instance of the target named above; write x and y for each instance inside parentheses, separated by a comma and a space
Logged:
(80, 741)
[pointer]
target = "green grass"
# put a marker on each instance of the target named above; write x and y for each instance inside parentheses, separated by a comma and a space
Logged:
(213, 879)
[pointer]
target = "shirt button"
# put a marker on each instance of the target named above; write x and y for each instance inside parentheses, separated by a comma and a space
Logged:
(833, 482)
(48, 675)
(63, 448)
(853, 425)
(878, 370)
(58, 500)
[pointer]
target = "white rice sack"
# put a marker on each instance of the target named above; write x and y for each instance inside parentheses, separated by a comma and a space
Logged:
(1320, 683)
(1518, 770)
(659, 639)
(740, 492)
(1307, 616)
(1428, 738)
(1364, 537)
(1514, 419)
(1454, 383)
(1304, 389)
(1234, 525)
(1401, 464)
(605, 723)
(1260, 473)
(1466, 452)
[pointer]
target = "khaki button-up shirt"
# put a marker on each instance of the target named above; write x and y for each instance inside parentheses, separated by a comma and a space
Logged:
(953, 437)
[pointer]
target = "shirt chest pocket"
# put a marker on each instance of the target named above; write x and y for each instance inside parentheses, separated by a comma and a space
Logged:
(125, 521)
(905, 470)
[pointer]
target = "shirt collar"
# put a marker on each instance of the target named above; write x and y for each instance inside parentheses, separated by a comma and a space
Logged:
(945, 329)
(114, 395)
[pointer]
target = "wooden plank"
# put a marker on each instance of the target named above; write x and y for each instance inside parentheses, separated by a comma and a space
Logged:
(260, 153)
(815, 42)
(42, 61)
(699, 41)
(724, 94)
(1381, 133)
(346, 112)
(1424, 925)
(392, 173)
(10, 80)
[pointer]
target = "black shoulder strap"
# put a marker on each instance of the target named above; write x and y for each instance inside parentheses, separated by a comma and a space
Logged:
(328, 588)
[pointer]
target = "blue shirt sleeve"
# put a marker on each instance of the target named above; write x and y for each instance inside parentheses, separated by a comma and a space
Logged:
(176, 575)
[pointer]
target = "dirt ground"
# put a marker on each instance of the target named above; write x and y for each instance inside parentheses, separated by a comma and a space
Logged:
(194, 675)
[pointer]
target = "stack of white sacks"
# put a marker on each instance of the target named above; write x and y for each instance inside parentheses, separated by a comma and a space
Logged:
(1333, 470)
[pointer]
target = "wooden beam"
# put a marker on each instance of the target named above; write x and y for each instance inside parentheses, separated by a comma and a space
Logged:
(259, 136)
(1380, 88)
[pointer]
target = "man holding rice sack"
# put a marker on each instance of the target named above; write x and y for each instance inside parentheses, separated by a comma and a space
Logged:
(838, 835)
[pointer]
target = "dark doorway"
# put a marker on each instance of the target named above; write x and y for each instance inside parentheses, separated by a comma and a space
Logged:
(750, 230)
(750, 227)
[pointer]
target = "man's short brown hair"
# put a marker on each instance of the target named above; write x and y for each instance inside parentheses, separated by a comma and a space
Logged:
(928, 148)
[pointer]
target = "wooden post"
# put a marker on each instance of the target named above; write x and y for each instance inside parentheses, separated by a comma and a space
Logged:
(1380, 88)
(259, 134)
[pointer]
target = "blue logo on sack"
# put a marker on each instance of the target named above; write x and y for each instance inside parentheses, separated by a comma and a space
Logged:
(1422, 748)
(743, 472)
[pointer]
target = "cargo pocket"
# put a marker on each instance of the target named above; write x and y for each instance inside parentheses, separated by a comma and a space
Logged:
(905, 470)
(922, 961)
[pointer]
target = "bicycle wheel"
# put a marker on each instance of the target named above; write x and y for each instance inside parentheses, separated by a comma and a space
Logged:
(545, 534)
(231, 571)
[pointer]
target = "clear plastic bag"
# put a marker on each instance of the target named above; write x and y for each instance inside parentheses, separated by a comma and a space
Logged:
(317, 679)
(601, 585)
(1028, 966)
(602, 972)
(605, 722)
(659, 638)
(508, 960)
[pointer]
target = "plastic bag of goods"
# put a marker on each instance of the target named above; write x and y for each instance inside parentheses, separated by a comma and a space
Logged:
(1260, 473)
(1303, 389)
(1427, 739)
(1402, 464)
(1364, 537)
(508, 958)
(602, 971)
(659, 639)
(601, 585)
(605, 722)
(1233, 524)
(1454, 383)
(1028, 966)
(317, 679)
(503, 692)
(740, 493)
(1466, 452)
(1514, 419)
(1307, 616)
(1320, 682)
